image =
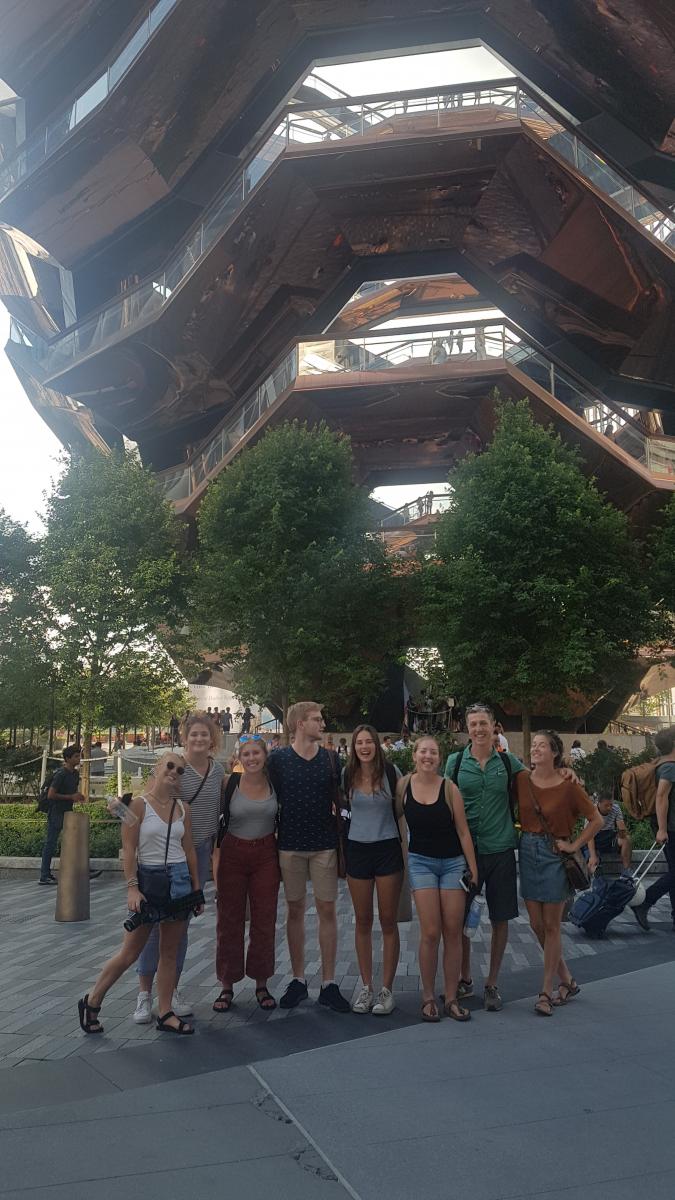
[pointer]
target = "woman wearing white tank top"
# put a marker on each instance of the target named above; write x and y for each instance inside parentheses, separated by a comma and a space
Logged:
(158, 844)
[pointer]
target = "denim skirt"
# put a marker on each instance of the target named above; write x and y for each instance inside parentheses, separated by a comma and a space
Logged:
(542, 875)
(160, 884)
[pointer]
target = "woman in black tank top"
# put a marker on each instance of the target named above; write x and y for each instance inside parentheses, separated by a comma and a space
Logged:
(440, 853)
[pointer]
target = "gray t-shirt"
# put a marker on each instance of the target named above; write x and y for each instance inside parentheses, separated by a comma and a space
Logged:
(372, 815)
(666, 770)
(205, 809)
(250, 819)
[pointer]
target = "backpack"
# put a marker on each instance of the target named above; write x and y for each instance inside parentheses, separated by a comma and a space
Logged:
(638, 789)
(509, 772)
(224, 818)
(43, 803)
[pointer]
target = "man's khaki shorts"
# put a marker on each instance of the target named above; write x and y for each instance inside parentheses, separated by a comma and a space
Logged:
(297, 866)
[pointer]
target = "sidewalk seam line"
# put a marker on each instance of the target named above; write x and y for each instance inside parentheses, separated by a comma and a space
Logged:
(305, 1133)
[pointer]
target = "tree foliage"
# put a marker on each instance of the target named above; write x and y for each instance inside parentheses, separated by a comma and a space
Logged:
(25, 653)
(540, 590)
(301, 600)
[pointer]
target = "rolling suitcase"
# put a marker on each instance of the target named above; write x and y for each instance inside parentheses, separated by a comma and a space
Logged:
(593, 909)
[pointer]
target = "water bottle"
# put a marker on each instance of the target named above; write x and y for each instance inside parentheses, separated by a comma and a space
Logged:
(117, 808)
(473, 916)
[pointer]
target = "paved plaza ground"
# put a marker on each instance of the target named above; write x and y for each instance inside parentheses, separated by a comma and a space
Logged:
(311, 1104)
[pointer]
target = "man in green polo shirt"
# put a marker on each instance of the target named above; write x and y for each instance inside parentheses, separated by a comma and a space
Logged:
(483, 780)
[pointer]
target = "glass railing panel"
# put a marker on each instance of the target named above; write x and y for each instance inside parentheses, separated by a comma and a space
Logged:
(661, 456)
(57, 131)
(126, 56)
(161, 9)
(91, 98)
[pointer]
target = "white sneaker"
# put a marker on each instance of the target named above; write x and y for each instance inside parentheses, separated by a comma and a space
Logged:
(364, 1001)
(179, 1005)
(384, 1003)
(143, 1013)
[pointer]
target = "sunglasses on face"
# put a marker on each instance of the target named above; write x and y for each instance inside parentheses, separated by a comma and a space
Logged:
(250, 737)
(174, 767)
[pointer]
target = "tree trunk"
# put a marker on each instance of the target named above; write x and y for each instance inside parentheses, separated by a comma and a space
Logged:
(85, 773)
(527, 735)
(284, 710)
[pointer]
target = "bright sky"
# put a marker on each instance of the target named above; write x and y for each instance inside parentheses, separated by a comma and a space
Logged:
(30, 449)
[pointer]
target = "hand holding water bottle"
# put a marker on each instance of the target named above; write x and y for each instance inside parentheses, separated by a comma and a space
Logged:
(118, 807)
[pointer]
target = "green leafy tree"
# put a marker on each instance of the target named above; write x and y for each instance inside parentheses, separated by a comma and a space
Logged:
(540, 590)
(112, 575)
(662, 569)
(301, 599)
(26, 657)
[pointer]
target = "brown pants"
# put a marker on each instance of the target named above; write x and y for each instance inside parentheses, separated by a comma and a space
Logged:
(247, 870)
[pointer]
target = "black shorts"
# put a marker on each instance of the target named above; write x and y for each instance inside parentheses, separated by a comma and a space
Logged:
(367, 860)
(606, 841)
(498, 873)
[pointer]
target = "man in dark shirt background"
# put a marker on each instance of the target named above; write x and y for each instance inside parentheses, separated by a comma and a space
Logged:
(63, 793)
(304, 777)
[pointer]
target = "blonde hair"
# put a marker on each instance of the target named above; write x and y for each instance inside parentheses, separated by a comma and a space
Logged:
(201, 718)
(300, 712)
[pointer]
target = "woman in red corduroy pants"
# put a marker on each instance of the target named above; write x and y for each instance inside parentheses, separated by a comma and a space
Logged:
(248, 870)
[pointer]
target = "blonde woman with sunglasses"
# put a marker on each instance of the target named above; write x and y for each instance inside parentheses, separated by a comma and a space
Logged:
(201, 790)
(160, 865)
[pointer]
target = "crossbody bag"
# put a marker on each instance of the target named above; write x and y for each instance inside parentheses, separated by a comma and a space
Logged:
(576, 867)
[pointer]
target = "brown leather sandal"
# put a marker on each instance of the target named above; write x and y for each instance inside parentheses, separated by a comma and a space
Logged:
(571, 989)
(544, 1005)
(432, 1016)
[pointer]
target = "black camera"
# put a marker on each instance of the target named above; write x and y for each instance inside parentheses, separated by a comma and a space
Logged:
(149, 913)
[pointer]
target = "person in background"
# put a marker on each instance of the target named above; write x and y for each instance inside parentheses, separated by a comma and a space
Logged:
(226, 720)
(387, 744)
(374, 860)
(217, 717)
(174, 726)
(63, 793)
(342, 750)
(403, 742)
(503, 743)
(330, 743)
(577, 753)
(664, 815)
(549, 808)
(200, 791)
(613, 837)
(98, 759)
(246, 718)
(247, 869)
(275, 744)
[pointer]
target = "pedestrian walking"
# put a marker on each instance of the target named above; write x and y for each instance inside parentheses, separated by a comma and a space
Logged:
(664, 815)
(374, 860)
(160, 865)
(305, 779)
(63, 793)
(440, 853)
(246, 718)
(226, 720)
(549, 808)
(247, 870)
(200, 791)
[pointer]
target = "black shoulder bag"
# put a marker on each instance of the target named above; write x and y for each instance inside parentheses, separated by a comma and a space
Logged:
(224, 818)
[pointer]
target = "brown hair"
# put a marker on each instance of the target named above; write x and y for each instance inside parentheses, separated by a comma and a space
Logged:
(201, 718)
(353, 763)
(427, 737)
(300, 712)
(555, 742)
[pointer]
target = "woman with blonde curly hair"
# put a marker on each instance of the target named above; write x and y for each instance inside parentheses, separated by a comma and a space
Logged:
(201, 790)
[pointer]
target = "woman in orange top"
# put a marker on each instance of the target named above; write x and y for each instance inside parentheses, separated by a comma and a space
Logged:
(543, 880)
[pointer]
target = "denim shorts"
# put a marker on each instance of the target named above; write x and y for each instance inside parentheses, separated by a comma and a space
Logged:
(180, 884)
(443, 873)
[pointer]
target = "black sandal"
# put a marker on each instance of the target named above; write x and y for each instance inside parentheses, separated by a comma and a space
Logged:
(544, 1005)
(89, 1022)
(265, 999)
(181, 1027)
(571, 989)
(452, 1008)
(223, 1002)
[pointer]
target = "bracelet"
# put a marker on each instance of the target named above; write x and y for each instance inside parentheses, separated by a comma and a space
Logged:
(131, 882)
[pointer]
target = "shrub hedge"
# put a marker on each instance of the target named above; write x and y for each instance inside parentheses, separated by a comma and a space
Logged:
(23, 829)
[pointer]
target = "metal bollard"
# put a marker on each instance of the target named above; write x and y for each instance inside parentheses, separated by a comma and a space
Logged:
(72, 893)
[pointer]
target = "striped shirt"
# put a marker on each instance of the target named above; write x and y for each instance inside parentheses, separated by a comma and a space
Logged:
(206, 808)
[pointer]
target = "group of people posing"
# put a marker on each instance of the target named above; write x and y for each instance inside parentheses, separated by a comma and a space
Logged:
(299, 814)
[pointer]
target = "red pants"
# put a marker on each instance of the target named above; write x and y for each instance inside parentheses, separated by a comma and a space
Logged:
(247, 870)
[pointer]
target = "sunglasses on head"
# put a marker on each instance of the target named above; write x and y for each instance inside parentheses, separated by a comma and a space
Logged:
(251, 737)
(172, 766)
